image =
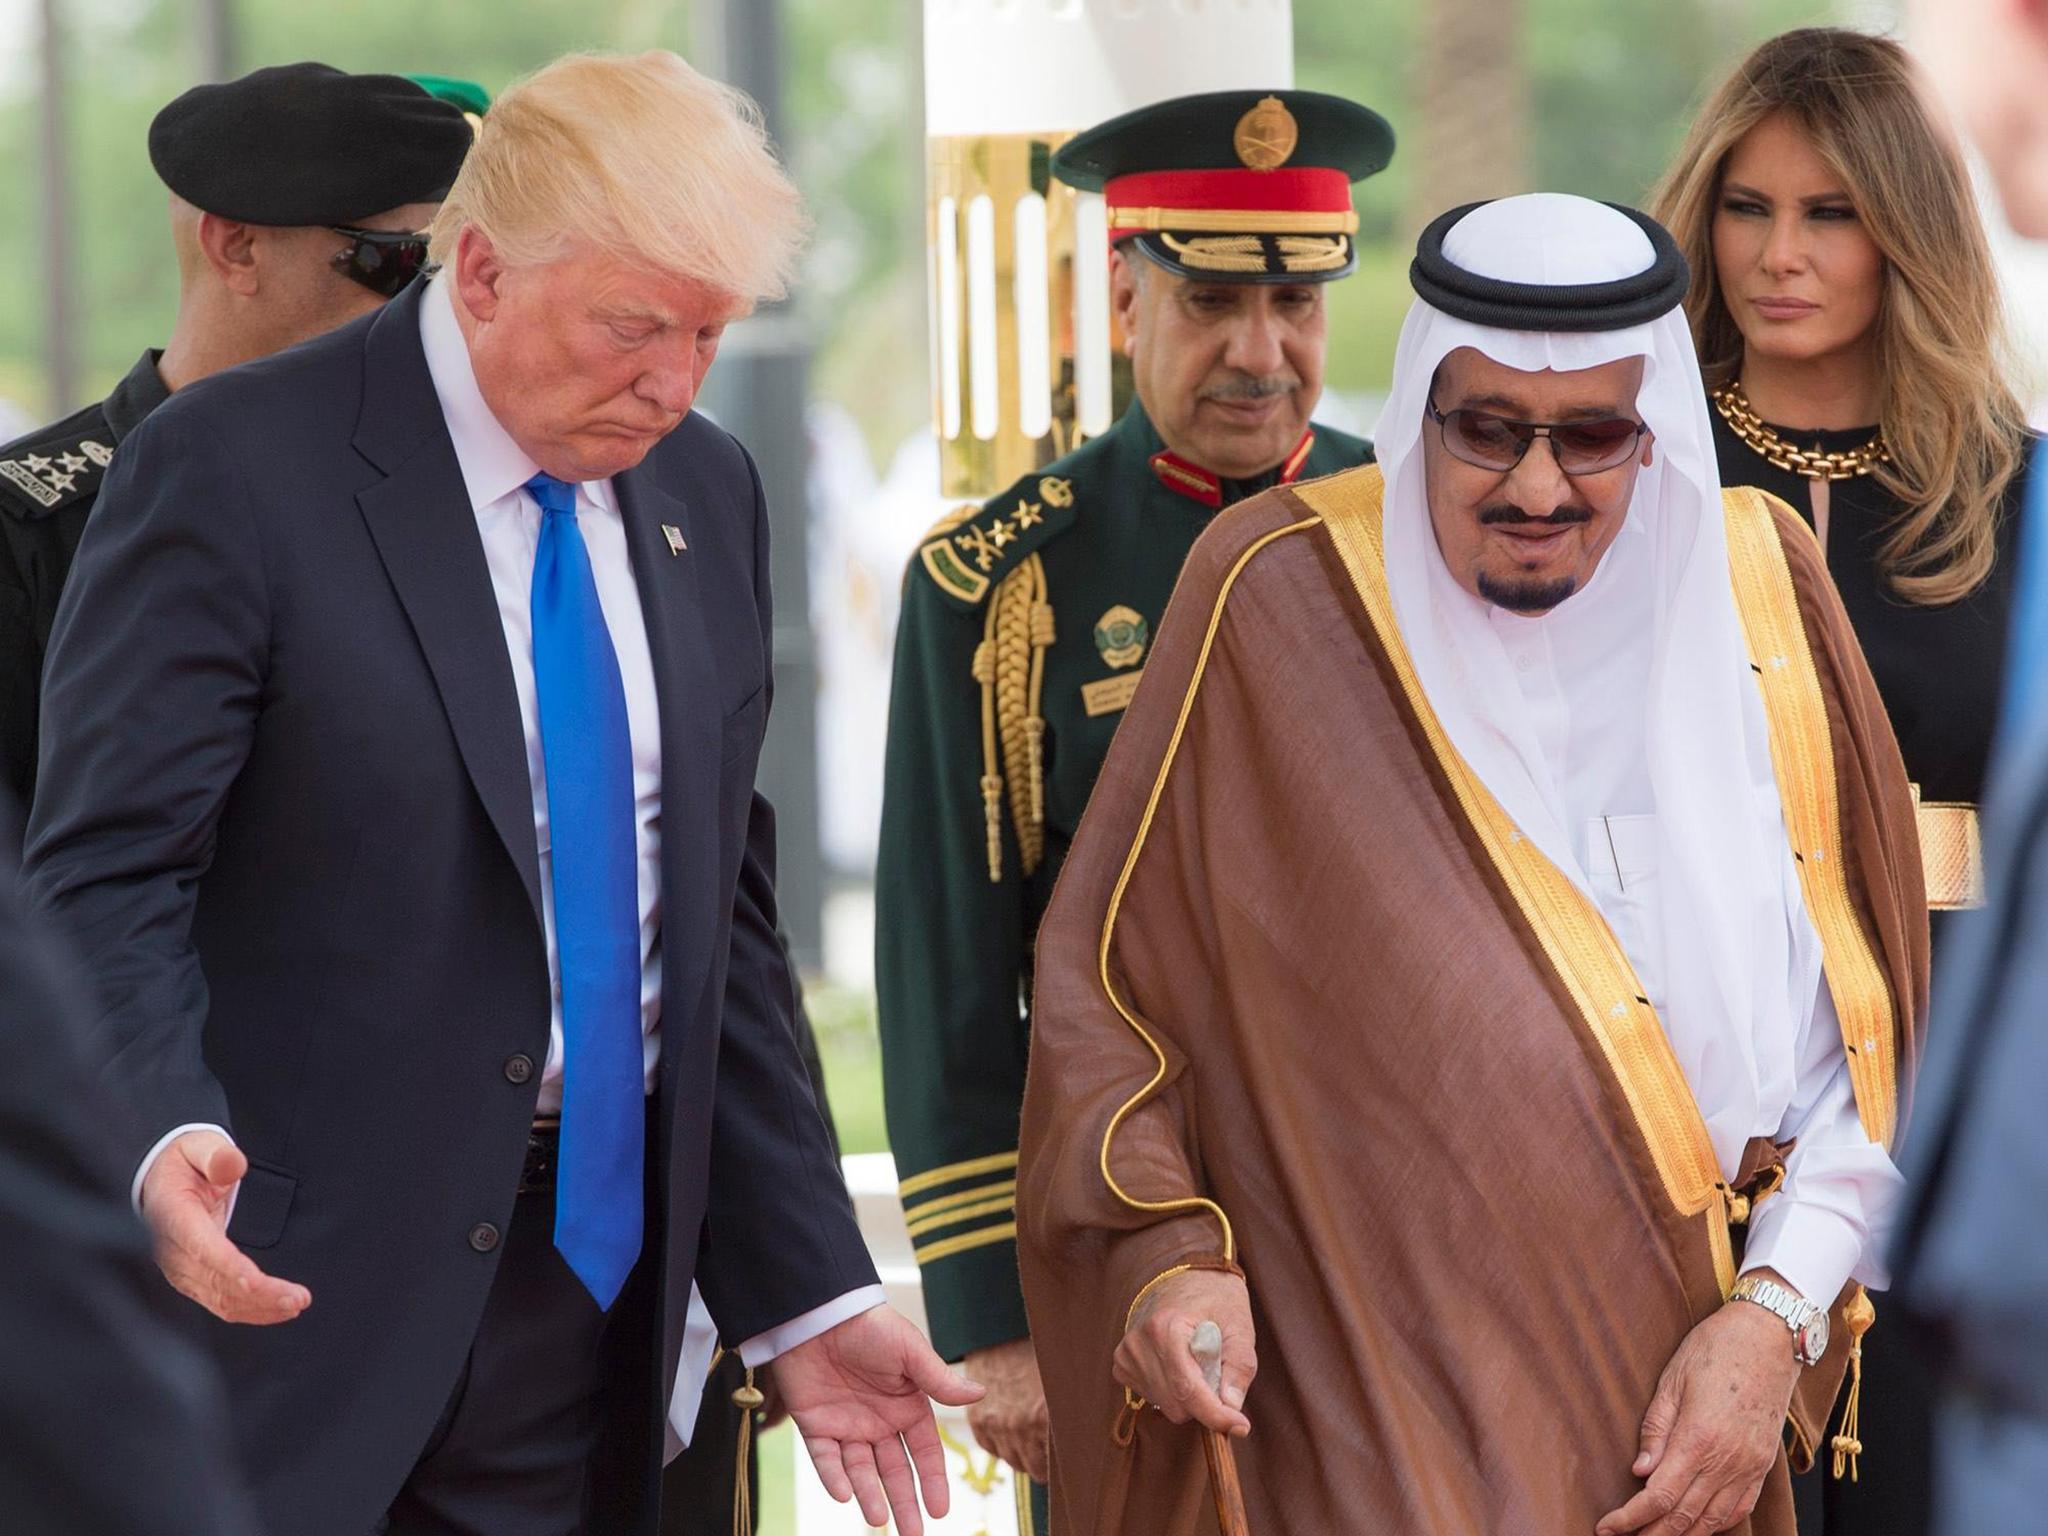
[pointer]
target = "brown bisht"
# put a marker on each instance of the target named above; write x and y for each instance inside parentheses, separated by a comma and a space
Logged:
(1306, 1001)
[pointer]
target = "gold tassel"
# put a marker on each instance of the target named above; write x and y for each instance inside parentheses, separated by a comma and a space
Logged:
(749, 1398)
(1847, 1446)
(991, 780)
(1848, 1443)
(992, 816)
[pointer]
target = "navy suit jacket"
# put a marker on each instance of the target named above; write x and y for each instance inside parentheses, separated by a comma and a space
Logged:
(110, 1421)
(284, 811)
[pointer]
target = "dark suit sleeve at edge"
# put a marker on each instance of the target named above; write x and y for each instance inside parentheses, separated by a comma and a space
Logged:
(110, 1419)
(780, 1236)
(154, 682)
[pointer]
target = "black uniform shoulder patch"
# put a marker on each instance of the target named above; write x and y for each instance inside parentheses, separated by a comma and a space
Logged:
(56, 466)
(966, 555)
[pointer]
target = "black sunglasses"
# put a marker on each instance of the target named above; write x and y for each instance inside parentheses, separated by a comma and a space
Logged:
(382, 260)
(1487, 441)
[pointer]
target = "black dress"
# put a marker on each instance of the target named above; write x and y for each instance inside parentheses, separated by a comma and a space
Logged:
(1939, 671)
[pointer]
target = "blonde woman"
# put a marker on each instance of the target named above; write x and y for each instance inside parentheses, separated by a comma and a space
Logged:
(1847, 322)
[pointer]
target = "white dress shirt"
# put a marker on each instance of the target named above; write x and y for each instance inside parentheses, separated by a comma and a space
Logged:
(495, 471)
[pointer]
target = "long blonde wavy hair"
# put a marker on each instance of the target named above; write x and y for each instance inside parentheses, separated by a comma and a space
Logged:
(1954, 427)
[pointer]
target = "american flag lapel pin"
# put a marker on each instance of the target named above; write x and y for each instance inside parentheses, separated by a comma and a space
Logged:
(674, 535)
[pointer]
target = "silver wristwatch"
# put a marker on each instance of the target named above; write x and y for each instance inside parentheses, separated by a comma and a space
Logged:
(1809, 1323)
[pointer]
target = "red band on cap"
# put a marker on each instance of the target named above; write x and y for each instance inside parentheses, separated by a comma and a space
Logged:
(1296, 189)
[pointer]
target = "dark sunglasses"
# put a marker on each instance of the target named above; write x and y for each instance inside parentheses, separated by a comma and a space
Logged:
(382, 260)
(1487, 441)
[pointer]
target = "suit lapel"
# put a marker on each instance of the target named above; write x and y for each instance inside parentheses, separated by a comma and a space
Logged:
(686, 687)
(420, 518)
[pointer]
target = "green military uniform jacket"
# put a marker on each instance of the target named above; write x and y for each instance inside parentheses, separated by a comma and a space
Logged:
(1025, 627)
(49, 481)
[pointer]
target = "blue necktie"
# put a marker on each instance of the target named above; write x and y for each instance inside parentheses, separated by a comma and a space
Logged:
(588, 754)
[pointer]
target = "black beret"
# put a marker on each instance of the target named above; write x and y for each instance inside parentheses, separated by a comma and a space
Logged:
(307, 144)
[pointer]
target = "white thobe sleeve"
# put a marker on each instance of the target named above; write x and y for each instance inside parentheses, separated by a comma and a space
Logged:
(1832, 1219)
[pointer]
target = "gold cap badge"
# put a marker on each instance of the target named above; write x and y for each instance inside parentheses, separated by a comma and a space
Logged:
(1266, 135)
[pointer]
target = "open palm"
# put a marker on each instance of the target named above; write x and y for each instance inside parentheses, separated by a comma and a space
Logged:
(861, 1396)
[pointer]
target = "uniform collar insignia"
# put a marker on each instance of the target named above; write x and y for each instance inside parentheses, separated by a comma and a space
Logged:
(1198, 484)
(1191, 480)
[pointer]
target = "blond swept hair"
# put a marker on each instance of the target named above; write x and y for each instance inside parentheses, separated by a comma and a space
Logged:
(1955, 429)
(639, 156)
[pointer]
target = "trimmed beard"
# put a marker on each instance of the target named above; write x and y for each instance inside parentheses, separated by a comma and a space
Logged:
(1526, 597)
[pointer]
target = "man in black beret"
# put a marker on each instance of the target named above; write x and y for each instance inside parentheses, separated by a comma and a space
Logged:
(298, 197)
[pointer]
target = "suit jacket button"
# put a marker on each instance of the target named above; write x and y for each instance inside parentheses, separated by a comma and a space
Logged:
(483, 1237)
(518, 1068)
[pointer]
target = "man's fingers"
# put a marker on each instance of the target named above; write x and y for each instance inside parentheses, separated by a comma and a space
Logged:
(1730, 1507)
(1657, 1500)
(1192, 1398)
(928, 1454)
(201, 1262)
(223, 1163)
(1657, 1426)
(830, 1467)
(867, 1482)
(1240, 1366)
(939, 1381)
(1038, 1452)
(900, 1486)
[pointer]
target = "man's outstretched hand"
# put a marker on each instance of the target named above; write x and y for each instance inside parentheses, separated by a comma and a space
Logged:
(185, 1199)
(861, 1395)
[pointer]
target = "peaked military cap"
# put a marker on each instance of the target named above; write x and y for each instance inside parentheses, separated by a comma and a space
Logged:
(1235, 186)
(298, 144)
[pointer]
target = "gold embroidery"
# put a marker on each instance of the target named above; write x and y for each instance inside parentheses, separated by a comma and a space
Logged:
(1266, 135)
(1307, 253)
(953, 1202)
(1575, 937)
(978, 544)
(944, 567)
(1219, 253)
(994, 1205)
(931, 1253)
(1057, 492)
(1802, 755)
(953, 1173)
(1235, 221)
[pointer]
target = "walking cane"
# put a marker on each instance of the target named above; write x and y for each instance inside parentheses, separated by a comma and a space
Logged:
(1207, 1348)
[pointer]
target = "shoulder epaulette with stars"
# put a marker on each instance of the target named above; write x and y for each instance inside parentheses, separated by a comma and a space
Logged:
(966, 556)
(57, 465)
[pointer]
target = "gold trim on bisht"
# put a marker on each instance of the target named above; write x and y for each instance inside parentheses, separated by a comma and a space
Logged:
(1803, 758)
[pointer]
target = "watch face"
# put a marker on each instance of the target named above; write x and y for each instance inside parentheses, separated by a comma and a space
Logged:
(1813, 1338)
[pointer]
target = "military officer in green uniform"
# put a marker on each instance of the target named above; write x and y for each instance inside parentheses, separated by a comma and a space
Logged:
(298, 194)
(1025, 627)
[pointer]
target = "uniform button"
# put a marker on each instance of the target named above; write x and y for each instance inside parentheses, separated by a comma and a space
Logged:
(518, 1068)
(483, 1237)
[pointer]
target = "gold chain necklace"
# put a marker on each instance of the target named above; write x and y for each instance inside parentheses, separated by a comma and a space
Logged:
(1735, 409)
